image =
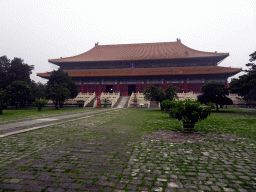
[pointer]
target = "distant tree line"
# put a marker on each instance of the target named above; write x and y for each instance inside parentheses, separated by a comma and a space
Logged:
(17, 89)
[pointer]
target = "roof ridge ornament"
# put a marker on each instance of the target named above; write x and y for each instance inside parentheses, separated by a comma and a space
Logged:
(96, 44)
(178, 40)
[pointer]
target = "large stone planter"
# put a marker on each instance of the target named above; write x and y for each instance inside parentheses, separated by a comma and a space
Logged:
(188, 127)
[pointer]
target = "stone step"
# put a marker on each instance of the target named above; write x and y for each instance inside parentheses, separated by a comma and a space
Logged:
(90, 104)
(118, 101)
(123, 102)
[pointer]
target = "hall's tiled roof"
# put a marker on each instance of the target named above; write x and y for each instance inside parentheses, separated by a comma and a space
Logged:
(148, 71)
(144, 51)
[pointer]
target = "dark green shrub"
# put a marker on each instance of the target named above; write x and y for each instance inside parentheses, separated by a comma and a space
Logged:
(168, 105)
(80, 103)
(40, 103)
(191, 111)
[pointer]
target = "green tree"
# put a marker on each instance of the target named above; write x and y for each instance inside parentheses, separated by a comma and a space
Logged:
(19, 71)
(60, 87)
(18, 93)
(171, 92)
(154, 93)
(225, 101)
(252, 65)
(3, 102)
(38, 90)
(214, 92)
(40, 103)
(59, 93)
(245, 85)
(4, 65)
(14, 71)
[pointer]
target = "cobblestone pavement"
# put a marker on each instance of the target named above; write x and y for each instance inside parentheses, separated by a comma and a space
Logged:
(95, 155)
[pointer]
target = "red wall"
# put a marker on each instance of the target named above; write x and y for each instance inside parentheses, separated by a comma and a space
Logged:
(195, 87)
(123, 88)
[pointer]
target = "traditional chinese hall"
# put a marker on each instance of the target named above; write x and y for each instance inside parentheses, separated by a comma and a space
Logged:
(128, 68)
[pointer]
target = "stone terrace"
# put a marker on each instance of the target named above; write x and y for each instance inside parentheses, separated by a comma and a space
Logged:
(94, 154)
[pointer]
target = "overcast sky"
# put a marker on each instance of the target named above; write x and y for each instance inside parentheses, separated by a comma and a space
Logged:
(47, 29)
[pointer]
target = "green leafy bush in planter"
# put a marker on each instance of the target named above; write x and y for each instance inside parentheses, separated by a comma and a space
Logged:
(168, 106)
(80, 103)
(190, 112)
(164, 104)
(40, 103)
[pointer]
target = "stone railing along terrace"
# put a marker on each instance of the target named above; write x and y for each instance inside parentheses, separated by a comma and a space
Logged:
(113, 98)
(87, 97)
(140, 100)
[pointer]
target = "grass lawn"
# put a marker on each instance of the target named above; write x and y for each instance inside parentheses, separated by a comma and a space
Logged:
(142, 120)
(231, 121)
(12, 115)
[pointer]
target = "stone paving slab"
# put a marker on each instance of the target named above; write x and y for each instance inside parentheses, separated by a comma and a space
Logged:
(93, 155)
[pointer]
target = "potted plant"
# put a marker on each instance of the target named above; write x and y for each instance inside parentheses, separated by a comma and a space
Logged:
(168, 106)
(105, 101)
(80, 103)
(190, 112)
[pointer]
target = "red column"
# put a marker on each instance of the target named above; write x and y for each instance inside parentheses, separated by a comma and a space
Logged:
(99, 90)
(185, 87)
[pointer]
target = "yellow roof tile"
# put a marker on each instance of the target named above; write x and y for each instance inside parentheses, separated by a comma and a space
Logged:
(143, 51)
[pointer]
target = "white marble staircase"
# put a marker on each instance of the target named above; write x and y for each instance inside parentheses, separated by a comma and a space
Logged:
(123, 102)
